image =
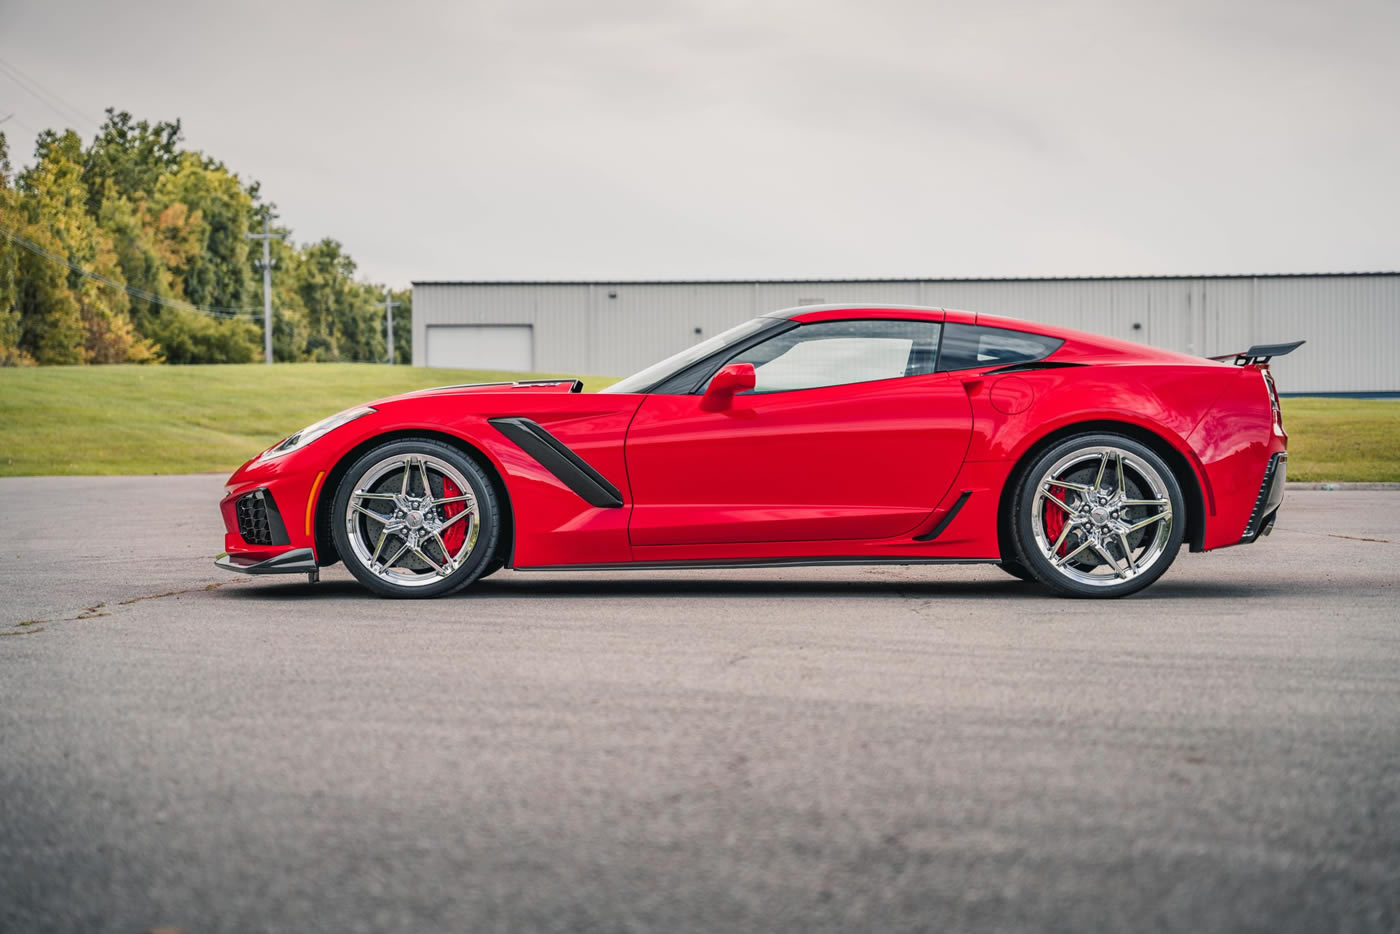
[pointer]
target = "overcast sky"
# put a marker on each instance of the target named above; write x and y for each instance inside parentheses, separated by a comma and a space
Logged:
(674, 139)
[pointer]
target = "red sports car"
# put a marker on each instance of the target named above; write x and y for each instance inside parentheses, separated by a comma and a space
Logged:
(818, 435)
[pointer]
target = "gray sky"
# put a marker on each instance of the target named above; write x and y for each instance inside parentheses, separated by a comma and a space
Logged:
(667, 139)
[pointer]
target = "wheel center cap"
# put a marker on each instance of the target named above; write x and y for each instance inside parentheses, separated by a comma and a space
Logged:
(1099, 514)
(414, 520)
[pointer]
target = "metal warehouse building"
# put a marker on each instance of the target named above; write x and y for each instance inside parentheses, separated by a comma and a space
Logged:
(1351, 321)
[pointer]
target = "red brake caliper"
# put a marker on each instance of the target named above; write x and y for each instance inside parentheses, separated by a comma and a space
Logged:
(456, 533)
(1055, 518)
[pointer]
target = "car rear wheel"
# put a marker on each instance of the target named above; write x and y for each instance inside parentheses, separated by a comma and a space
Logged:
(415, 518)
(1098, 515)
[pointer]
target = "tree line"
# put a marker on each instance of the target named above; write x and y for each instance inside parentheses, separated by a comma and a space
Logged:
(133, 249)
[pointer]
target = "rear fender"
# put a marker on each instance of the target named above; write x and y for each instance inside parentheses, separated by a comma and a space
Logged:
(1235, 441)
(1011, 413)
(1017, 415)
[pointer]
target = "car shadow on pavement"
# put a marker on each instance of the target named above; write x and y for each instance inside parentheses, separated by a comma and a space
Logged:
(732, 587)
(526, 586)
(738, 587)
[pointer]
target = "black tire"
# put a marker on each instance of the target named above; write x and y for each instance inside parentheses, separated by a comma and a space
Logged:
(470, 566)
(1093, 532)
(1018, 571)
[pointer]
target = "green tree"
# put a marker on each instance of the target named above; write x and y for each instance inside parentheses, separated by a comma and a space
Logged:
(10, 324)
(164, 228)
(343, 316)
(149, 245)
(128, 158)
(219, 272)
(291, 327)
(403, 326)
(56, 200)
(191, 337)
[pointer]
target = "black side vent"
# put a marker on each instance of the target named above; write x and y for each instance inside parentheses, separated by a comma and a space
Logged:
(259, 522)
(948, 517)
(556, 457)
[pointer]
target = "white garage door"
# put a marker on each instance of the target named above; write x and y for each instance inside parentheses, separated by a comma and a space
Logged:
(482, 346)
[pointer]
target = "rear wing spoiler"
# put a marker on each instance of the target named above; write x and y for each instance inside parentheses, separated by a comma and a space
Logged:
(1260, 353)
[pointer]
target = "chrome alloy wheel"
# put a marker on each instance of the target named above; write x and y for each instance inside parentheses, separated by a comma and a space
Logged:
(412, 519)
(1102, 515)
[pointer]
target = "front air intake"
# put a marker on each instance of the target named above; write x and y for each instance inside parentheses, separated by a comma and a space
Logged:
(259, 522)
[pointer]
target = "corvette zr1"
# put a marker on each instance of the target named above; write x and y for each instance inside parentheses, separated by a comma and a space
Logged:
(821, 434)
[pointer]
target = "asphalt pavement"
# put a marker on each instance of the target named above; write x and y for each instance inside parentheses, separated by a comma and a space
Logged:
(875, 749)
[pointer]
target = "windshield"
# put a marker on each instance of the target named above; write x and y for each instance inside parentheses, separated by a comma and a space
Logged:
(659, 372)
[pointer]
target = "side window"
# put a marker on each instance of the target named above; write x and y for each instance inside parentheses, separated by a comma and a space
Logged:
(967, 346)
(833, 353)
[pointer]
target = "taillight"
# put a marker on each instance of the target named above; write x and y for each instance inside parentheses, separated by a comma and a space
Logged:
(1273, 400)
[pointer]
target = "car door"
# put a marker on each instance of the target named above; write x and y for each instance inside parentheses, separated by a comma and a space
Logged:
(848, 434)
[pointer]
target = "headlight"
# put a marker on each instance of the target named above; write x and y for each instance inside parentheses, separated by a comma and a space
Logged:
(311, 432)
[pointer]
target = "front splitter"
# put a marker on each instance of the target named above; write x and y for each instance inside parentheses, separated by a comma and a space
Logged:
(296, 561)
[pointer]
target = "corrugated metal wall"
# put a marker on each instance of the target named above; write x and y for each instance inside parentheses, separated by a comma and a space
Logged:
(1351, 323)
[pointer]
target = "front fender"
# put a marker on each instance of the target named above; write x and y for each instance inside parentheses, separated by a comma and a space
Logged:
(592, 425)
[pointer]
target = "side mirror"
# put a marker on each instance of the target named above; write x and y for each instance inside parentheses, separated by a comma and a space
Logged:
(736, 377)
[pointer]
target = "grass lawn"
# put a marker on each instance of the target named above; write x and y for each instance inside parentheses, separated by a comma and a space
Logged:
(1343, 439)
(171, 419)
(183, 419)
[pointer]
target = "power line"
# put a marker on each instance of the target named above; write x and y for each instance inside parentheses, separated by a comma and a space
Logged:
(13, 121)
(214, 311)
(48, 98)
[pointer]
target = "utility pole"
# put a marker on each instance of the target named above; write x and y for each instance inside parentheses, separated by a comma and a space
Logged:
(267, 236)
(389, 306)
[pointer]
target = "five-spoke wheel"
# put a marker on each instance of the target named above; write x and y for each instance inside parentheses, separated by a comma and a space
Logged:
(415, 518)
(1097, 515)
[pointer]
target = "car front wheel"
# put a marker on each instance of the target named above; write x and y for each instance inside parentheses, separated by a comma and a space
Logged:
(415, 518)
(1098, 515)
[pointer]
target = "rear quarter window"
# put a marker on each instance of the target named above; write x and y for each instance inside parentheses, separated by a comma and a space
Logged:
(969, 346)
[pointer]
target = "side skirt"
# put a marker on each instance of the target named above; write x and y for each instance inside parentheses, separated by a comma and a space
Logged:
(733, 563)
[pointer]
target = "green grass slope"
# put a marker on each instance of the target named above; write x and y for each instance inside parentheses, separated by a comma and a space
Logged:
(183, 419)
(168, 419)
(1343, 439)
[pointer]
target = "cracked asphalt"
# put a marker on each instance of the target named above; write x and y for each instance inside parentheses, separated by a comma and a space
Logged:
(801, 749)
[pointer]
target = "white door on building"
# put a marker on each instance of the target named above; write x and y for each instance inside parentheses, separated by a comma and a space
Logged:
(482, 346)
